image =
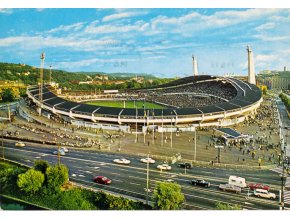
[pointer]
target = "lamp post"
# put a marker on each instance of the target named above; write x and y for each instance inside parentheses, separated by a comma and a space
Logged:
(3, 157)
(162, 129)
(136, 124)
(147, 180)
(171, 132)
(58, 153)
(194, 145)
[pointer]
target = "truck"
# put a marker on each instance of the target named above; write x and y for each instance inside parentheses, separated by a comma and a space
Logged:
(237, 181)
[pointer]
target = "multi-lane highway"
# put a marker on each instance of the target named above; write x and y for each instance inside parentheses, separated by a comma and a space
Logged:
(130, 179)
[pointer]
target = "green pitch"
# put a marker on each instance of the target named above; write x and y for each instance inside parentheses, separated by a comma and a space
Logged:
(128, 104)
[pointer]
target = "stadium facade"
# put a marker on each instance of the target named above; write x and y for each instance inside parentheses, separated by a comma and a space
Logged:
(247, 98)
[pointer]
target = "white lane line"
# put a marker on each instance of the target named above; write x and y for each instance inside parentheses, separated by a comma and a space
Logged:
(103, 164)
(74, 175)
(116, 174)
(88, 172)
(43, 155)
(118, 180)
(28, 160)
(37, 157)
(134, 183)
(81, 175)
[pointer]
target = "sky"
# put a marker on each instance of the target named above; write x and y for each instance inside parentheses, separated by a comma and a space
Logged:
(154, 41)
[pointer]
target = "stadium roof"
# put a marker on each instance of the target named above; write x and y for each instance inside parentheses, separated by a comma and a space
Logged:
(247, 94)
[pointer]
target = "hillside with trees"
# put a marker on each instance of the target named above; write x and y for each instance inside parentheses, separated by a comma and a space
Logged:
(29, 75)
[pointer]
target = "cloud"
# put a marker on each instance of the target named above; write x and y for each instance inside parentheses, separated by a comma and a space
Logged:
(104, 29)
(6, 11)
(27, 42)
(66, 28)
(196, 21)
(266, 26)
(119, 16)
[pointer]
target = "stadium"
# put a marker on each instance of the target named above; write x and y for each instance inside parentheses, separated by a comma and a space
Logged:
(191, 101)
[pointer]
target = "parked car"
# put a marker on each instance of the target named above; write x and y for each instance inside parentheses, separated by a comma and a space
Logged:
(122, 161)
(264, 194)
(200, 182)
(164, 167)
(19, 144)
(254, 186)
(61, 152)
(230, 188)
(185, 165)
(64, 149)
(147, 160)
(102, 180)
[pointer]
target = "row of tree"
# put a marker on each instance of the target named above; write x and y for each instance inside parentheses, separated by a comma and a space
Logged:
(286, 100)
(30, 76)
(49, 186)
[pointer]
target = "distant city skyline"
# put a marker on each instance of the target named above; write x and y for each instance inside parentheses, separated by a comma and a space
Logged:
(154, 41)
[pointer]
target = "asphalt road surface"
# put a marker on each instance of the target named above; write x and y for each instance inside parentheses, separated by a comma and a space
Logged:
(130, 179)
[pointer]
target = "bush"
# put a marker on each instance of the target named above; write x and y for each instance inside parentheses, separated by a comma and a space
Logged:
(8, 178)
(41, 165)
(168, 196)
(31, 181)
(56, 177)
(224, 206)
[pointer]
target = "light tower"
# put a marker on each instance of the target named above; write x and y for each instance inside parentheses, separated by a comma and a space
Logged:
(42, 57)
(195, 72)
(251, 67)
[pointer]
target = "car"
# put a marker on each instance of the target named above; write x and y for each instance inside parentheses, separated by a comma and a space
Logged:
(230, 188)
(64, 149)
(61, 152)
(102, 180)
(254, 186)
(262, 193)
(147, 160)
(122, 161)
(164, 167)
(200, 182)
(19, 144)
(185, 165)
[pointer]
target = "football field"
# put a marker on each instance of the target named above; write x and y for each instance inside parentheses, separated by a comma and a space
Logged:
(127, 104)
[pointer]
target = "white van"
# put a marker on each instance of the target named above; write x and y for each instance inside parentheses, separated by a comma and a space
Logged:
(238, 181)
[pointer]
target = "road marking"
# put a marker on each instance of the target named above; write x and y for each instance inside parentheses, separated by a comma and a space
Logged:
(81, 175)
(88, 172)
(116, 174)
(74, 175)
(28, 160)
(43, 155)
(118, 180)
(103, 164)
(37, 157)
(134, 183)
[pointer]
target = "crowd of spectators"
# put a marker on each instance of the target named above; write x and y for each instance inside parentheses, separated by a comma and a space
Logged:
(190, 95)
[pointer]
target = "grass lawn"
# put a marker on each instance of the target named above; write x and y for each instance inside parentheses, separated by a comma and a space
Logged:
(128, 104)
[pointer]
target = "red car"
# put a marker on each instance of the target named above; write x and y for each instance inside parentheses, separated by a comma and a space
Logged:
(254, 186)
(102, 180)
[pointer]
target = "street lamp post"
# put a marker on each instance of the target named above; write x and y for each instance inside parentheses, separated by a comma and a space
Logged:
(194, 145)
(162, 129)
(58, 153)
(171, 132)
(3, 157)
(147, 181)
